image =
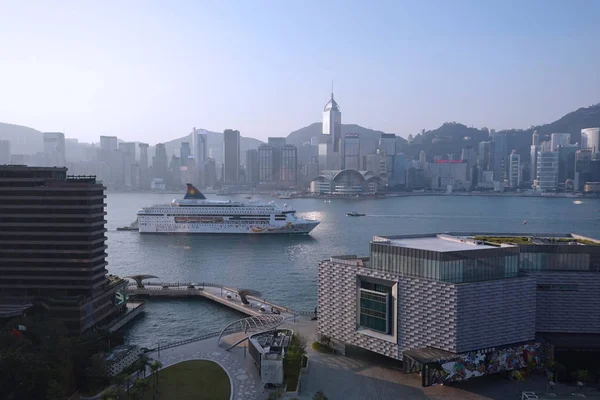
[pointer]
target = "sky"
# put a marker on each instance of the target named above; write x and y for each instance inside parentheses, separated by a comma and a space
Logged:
(152, 70)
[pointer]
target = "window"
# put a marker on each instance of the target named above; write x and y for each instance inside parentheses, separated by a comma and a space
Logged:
(558, 288)
(374, 309)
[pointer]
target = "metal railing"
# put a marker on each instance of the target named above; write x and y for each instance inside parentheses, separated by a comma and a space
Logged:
(184, 341)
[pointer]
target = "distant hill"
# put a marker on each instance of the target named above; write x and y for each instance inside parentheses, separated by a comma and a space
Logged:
(451, 137)
(23, 140)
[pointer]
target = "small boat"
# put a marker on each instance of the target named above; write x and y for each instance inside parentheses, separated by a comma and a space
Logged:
(134, 226)
(524, 222)
(247, 197)
(354, 214)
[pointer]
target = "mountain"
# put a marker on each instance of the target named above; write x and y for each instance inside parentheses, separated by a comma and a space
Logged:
(451, 137)
(303, 135)
(23, 140)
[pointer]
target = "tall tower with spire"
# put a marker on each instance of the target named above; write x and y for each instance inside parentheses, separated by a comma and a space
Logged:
(332, 122)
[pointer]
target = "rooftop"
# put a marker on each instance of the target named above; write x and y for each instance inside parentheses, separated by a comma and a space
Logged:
(440, 243)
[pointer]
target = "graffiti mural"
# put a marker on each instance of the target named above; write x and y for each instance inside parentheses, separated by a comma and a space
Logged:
(478, 363)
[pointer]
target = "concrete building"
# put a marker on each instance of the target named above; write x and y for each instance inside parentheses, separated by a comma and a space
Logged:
(566, 163)
(265, 165)
(109, 143)
(252, 166)
(288, 175)
(128, 149)
(422, 158)
(277, 143)
(477, 302)
(500, 157)
(267, 350)
(160, 163)
(590, 139)
(144, 173)
(348, 182)
(54, 149)
(199, 151)
(445, 174)
(53, 247)
(210, 172)
(547, 171)
(559, 139)
(514, 177)
(351, 151)
(387, 151)
(231, 156)
(4, 152)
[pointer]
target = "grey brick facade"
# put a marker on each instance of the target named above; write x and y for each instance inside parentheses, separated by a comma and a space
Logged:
(568, 311)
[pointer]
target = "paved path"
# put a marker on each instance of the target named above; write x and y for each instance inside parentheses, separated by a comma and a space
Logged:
(244, 376)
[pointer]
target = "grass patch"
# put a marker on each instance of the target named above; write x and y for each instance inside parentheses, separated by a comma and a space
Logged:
(197, 379)
(321, 348)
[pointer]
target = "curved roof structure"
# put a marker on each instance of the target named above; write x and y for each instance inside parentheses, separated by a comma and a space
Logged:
(336, 175)
(255, 324)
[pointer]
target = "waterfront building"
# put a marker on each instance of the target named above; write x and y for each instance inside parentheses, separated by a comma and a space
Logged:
(351, 151)
(514, 177)
(54, 149)
(547, 171)
(559, 139)
(4, 152)
(289, 165)
(422, 158)
(128, 149)
(566, 163)
(347, 182)
(478, 302)
(277, 144)
(583, 168)
(231, 156)
(590, 139)
(144, 175)
(159, 162)
(252, 166)
(500, 156)
(445, 174)
(210, 172)
(185, 152)
(328, 159)
(387, 150)
(534, 149)
(53, 247)
(265, 165)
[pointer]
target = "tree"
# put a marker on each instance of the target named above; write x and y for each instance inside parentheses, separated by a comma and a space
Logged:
(155, 366)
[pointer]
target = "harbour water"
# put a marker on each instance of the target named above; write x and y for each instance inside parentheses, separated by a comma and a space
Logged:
(284, 268)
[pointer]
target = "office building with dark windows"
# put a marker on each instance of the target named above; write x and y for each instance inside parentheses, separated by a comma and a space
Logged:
(53, 247)
(483, 302)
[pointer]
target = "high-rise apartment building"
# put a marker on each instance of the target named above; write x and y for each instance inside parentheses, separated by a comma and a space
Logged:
(265, 164)
(231, 156)
(514, 177)
(277, 143)
(547, 171)
(4, 152)
(351, 151)
(289, 165)
(252, 166)
(54, 149)
(590, 139)
(559, 139)
(53, 247)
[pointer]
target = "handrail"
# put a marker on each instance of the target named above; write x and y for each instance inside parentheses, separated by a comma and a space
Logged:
(185, 341)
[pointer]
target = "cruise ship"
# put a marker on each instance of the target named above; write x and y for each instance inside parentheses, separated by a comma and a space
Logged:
(195, 214)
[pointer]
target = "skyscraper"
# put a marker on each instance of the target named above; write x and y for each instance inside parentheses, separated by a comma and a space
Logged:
(559, 139)
(535, 139)
(387, 149)
(210, 172)
(184, 153)
(160, 162)
(351, 151)
(277, 143)
(514, 178)
(54, 149)
(289, 165)
(500, 160)
(144, 176)
(265, 164)
(547, 170)
(231, 156)
(590, 139)
(422, 158)
(332, 123)
(485, 160)
(57, 259)
(128, 149)
(108, 143)
(535, 147)
(200, 152)
(252, 166)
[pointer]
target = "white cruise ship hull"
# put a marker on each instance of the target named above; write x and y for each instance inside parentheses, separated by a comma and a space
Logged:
(152, 224)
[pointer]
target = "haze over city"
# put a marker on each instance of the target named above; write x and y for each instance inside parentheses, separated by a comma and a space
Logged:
(147, 72)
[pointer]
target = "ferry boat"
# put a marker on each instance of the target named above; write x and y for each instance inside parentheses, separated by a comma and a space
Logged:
(195, 214)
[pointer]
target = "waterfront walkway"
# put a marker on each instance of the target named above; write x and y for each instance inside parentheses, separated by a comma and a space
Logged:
(226, 296)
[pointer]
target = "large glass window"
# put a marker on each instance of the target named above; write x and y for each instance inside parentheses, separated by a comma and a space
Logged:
(375, 307)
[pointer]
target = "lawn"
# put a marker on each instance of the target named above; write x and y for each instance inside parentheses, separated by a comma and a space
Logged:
(197, 379)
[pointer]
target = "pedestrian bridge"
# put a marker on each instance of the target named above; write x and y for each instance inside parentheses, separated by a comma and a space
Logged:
(237, 299)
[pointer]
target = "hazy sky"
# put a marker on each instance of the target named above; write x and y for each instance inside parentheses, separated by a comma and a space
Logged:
(151, 70)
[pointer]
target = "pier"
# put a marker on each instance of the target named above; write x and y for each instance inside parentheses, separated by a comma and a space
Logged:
(235, 299)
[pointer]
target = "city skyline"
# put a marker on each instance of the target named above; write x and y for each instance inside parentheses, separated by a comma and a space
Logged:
(110, 80)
